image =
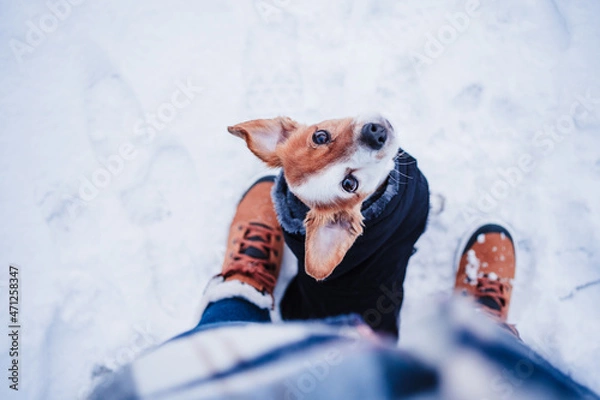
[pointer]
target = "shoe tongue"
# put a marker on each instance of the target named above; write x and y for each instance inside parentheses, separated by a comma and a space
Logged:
(489, 302)
(252, 251)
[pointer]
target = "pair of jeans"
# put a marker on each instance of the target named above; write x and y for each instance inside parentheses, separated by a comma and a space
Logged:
(235, 353)
(506, 353)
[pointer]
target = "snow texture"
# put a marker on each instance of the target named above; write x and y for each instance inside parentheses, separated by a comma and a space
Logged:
(472, 267)
(118, 177)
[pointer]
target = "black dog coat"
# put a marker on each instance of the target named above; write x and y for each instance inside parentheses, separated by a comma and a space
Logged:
(369, 279)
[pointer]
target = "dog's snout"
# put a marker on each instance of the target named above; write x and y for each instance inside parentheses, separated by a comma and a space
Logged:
(374, 135)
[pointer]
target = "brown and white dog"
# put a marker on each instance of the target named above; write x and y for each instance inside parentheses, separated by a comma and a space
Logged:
(332, 167)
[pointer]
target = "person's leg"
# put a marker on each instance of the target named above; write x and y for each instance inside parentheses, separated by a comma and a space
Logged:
(475, 357)
(232, 310)
(474, 351)
(243, 291)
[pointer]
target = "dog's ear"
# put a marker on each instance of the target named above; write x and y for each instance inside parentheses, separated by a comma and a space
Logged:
(263, 135)
(329, 236)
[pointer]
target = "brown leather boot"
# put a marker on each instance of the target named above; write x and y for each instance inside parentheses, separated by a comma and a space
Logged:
(255, 243)
(486, 270)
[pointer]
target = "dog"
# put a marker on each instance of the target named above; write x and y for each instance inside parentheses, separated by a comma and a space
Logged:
(340, 174)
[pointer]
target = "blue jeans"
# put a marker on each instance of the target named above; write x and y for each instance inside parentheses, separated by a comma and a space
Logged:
(507, 352)
(234, 352)
(235, 310)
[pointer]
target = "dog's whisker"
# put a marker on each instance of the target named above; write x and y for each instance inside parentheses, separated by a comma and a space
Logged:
(400, 155)
(406, 176)
(396, 180)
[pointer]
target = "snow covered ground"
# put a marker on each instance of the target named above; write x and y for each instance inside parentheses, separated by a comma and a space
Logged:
(498, 100)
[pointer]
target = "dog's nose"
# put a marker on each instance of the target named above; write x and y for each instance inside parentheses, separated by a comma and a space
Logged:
(373, 135)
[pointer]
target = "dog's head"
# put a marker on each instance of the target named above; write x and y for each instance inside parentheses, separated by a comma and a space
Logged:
(332, 167)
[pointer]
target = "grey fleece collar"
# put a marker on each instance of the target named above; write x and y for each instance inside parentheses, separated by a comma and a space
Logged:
(291, 211)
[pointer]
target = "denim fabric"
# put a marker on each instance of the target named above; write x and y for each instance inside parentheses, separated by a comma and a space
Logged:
(233, 309)
(335, 359)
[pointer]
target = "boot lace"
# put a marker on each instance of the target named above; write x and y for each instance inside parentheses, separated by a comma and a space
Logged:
(491, 293)
(255, 255)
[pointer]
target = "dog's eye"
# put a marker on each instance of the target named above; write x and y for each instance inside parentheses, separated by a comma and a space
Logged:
(321, 137)
(350, 184)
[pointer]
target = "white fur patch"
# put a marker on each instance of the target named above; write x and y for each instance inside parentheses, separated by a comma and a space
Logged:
(323, 187)
(370, 172)
(326, 186)
(217, 289)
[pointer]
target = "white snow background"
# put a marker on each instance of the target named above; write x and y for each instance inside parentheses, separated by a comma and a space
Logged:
(501, 108)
